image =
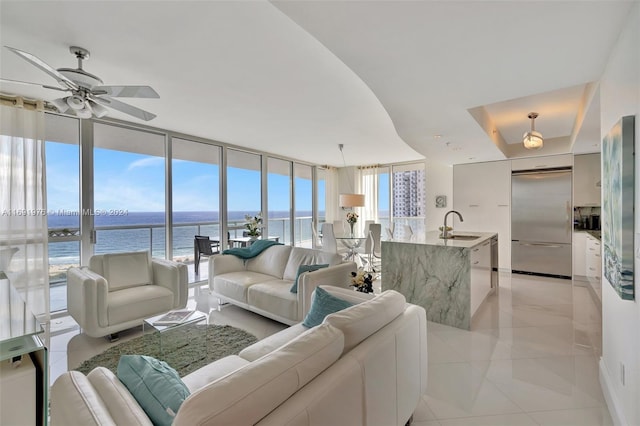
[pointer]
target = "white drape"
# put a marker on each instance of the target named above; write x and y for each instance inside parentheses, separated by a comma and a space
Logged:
(23, 218)
(369, 187)
(331, 195)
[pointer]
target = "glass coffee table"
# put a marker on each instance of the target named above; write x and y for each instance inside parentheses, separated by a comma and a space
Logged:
(179, 343)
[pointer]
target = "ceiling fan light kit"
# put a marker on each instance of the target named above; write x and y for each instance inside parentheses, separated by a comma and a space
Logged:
(89, 97)
(533, 139)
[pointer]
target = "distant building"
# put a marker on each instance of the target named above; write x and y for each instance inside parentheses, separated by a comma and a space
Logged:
(409, 193)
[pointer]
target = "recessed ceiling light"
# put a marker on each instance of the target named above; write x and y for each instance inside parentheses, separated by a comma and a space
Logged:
(436, 137)
(472, 158)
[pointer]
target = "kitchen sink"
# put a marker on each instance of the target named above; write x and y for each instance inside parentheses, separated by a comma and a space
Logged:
(462, 237)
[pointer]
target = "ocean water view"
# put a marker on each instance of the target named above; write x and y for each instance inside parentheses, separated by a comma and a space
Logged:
(128, 231)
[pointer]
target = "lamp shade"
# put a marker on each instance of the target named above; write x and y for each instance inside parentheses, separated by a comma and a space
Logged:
(532, 140)
(351, 200)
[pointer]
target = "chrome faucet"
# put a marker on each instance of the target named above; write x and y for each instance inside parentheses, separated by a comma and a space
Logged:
(445, 233)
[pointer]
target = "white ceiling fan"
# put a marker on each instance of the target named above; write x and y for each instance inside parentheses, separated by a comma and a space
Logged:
(88, 95)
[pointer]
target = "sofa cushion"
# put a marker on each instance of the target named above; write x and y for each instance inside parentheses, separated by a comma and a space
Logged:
(235, 284)
(271, 343)
(271, 261)
(124, 270)
(250, 393)
(122, 406)
(274, 297)
(362, 320)
(138, 302)
(156, 386)
(213, 371)
(304, 256)
(305, 268)
(322, 305)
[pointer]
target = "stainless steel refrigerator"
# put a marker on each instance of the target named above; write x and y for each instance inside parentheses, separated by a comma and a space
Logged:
(541, 222)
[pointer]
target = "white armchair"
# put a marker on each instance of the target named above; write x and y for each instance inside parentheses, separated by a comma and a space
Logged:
(119, 290)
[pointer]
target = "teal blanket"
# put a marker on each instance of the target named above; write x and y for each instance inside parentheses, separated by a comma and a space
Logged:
(253, 250)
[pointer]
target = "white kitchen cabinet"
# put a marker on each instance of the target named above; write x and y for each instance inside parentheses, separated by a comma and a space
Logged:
(593, 261)
(480, 274)
(482, 194)
(579, 257)
(548, 162)
(586, 180)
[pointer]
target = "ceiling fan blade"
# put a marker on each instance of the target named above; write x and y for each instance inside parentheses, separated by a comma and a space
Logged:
(122, 107)
(26, 83)
(44, 67)
(126, 91)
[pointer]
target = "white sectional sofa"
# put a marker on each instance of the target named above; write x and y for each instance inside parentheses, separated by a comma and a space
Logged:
(364, 365)
(262, 284)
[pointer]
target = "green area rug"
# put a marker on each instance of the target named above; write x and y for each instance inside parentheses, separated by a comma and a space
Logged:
(185, 349)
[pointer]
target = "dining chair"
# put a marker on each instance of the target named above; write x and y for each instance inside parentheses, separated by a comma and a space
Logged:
(203, 246)
(339, 228)
(329, 242)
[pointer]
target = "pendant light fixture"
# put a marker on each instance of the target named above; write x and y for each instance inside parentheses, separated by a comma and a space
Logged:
(349, 200)
(532, 139)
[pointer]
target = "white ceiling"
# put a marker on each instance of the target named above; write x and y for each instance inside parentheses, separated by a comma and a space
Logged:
(297, 78)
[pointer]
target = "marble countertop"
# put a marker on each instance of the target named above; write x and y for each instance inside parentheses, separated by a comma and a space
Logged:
(432, 239)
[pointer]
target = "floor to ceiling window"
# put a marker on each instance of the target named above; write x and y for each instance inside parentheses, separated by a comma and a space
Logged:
(279, 198)
(303, 212)
(408, 197)
(62, 152)
(384, 199)
(244, 189)
(195, 186)
(129, 190)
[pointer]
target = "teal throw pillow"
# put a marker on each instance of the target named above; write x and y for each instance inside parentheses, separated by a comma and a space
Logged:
(305, 268)
(322, 305)
(155, 385)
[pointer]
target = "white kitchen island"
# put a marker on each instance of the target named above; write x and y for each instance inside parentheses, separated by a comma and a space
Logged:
(449, 278)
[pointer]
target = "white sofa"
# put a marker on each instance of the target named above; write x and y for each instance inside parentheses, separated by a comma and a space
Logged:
(365, 365)
(262, 284)
(119, 290)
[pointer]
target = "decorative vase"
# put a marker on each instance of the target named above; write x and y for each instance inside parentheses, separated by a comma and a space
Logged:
(351, 224)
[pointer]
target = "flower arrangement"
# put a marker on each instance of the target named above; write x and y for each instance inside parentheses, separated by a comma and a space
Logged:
(253, 224)
(352, 217)
(362, 281)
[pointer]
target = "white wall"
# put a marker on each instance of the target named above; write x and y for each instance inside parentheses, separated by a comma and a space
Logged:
(439, 182)
(620, 96)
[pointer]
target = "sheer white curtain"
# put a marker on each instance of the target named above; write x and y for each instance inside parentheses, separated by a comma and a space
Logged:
(369, 187)
(331, 194)
(23, 219)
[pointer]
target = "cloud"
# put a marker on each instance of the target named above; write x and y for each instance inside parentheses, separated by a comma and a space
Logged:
(146, 162)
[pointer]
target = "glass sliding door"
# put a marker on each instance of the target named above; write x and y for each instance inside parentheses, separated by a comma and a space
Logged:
(279, 198)
(303, 212)
(129, 190)
(195, 171)
(62, 152)
(244, 189)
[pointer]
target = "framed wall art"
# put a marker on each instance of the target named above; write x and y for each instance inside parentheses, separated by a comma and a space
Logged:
(618, 178)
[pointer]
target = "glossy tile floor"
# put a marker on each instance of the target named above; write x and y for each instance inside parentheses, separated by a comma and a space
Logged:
(530, 359)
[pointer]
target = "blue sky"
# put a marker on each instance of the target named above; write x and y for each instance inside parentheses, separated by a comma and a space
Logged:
(135, 182)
